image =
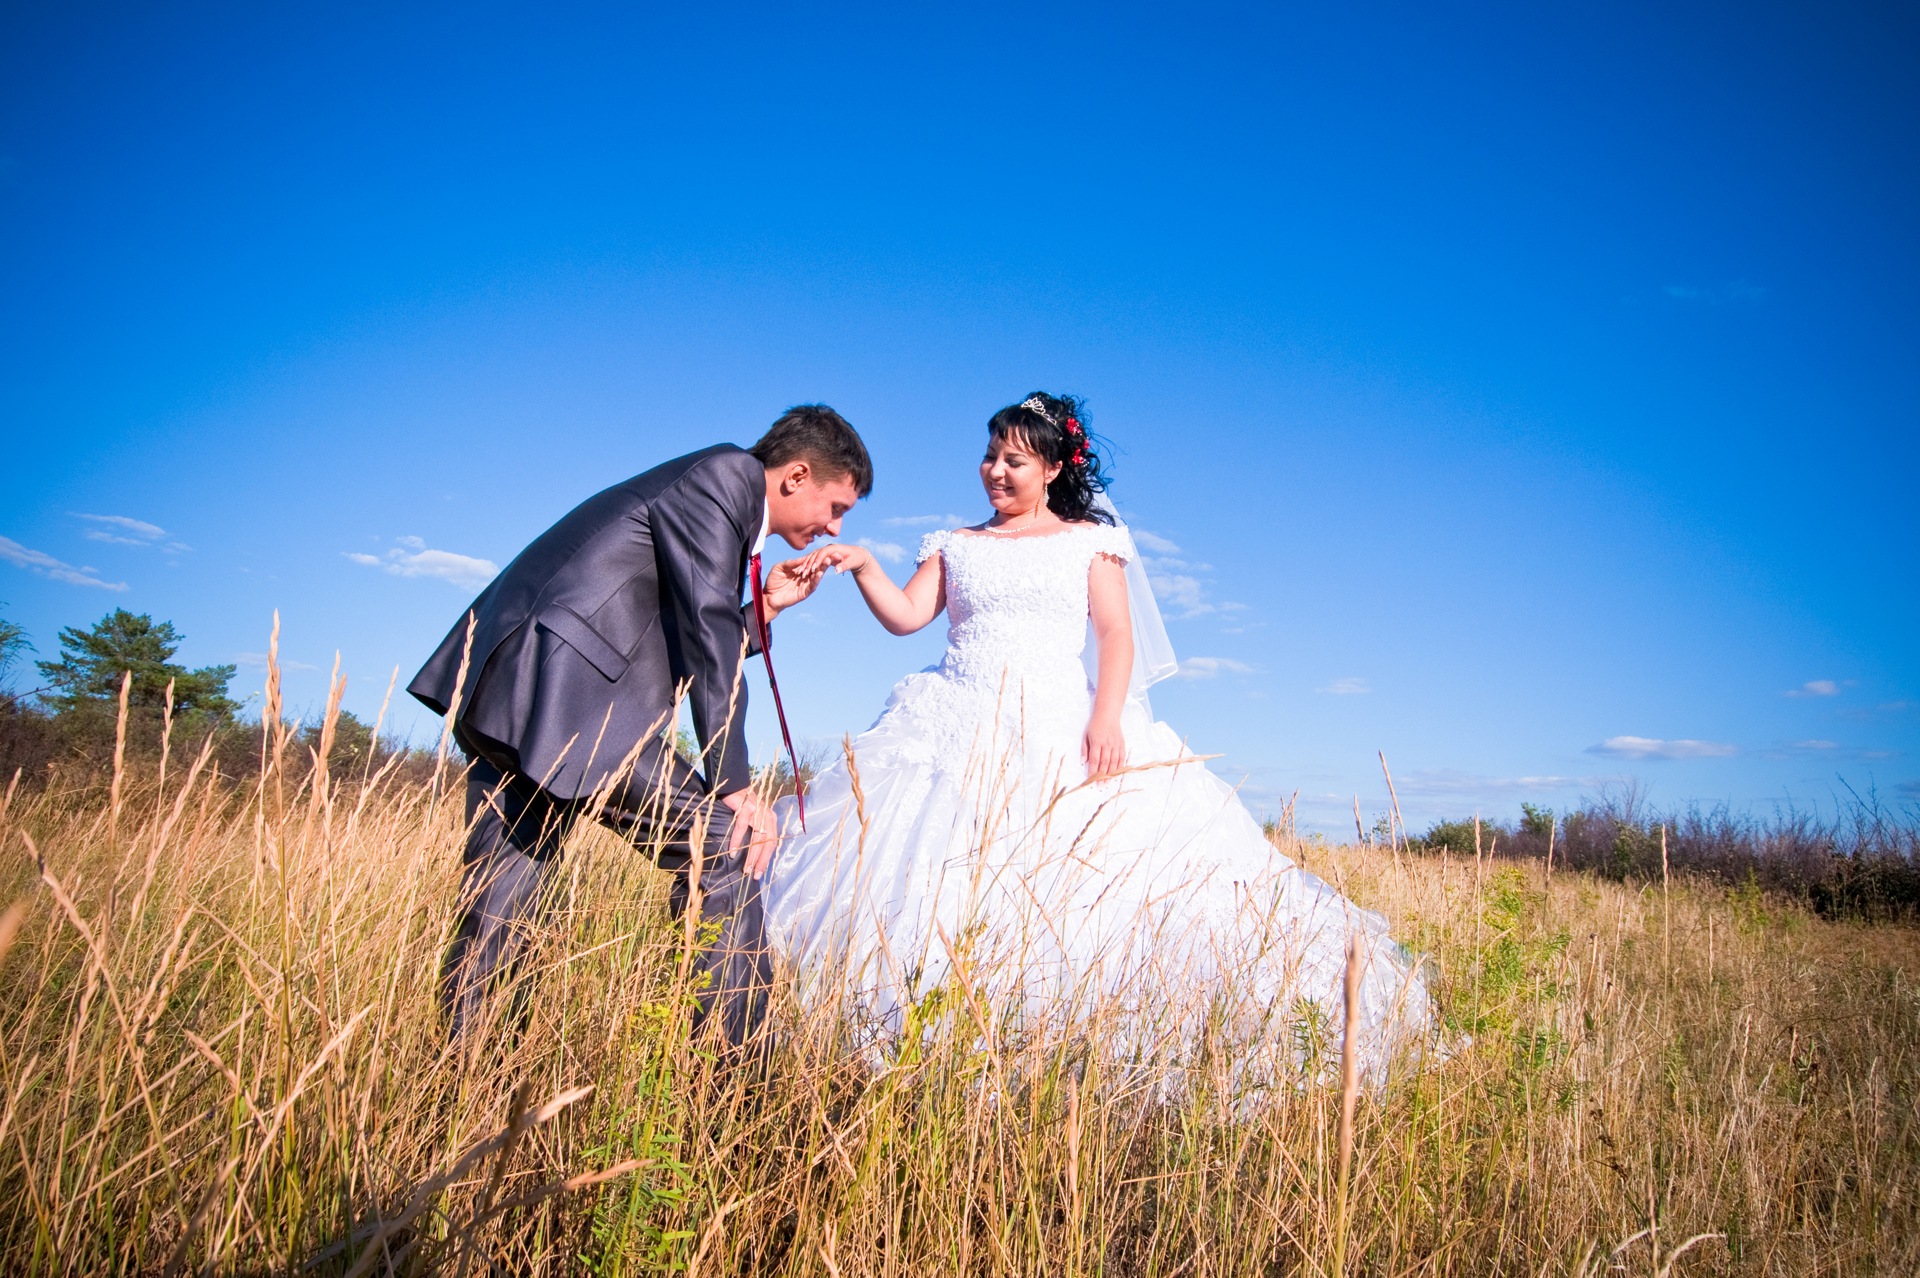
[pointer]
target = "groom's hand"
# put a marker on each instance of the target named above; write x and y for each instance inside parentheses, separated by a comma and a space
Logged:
(754, 825)
(793, 580)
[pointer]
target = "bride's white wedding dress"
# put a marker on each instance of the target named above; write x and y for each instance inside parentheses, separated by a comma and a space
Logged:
(966, 836)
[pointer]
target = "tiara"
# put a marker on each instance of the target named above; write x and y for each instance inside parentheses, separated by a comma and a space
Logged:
(1038, 407)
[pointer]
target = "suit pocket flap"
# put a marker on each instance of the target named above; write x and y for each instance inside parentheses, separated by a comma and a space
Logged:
(584, 639)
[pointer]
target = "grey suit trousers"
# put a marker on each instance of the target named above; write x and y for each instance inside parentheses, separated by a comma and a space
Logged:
(516, 831)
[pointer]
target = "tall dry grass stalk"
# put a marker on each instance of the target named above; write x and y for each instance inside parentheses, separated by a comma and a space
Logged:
(220, 1052)
(1397, 831)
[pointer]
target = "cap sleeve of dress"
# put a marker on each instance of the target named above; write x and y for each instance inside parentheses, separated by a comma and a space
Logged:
(932, 544)
(1110, 539)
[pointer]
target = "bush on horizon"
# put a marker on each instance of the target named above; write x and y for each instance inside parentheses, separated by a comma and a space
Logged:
(1861, 862)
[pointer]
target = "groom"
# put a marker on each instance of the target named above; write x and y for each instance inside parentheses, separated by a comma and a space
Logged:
(575, 653)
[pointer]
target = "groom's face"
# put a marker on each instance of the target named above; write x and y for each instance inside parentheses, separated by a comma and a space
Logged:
(801, 505)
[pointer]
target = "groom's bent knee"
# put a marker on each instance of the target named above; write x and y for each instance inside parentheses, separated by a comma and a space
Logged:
(505, 809)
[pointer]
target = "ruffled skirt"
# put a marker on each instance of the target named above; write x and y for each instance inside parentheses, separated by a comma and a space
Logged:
(960, 843)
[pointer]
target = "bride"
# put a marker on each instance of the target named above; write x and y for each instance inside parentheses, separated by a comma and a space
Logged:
(1038, 838)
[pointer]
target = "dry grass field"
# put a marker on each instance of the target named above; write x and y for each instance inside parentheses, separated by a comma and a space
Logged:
(219, 1052)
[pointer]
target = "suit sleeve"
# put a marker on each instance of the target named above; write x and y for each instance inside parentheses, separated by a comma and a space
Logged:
(699, 539)
(753, 631)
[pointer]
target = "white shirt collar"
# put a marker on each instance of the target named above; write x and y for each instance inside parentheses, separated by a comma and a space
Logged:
(766, 526)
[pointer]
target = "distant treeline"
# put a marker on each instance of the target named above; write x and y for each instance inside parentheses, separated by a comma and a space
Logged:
(1861, 862)
(68, 727)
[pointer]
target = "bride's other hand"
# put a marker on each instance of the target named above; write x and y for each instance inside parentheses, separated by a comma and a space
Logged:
(1104, 748)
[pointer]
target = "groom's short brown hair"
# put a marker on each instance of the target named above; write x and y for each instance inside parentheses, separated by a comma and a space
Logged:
(820, 437)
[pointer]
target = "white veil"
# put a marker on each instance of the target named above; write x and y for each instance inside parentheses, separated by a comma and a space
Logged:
(1153, 658)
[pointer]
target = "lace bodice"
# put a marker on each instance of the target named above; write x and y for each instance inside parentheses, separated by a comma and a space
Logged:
(1018, 605)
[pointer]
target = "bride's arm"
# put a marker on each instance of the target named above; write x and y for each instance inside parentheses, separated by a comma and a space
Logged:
(901, 611)
(1104, 749)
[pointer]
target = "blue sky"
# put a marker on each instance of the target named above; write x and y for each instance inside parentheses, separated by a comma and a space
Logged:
(1531, 396)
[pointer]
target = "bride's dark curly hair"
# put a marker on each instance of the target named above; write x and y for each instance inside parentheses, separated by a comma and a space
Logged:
(1055, 427)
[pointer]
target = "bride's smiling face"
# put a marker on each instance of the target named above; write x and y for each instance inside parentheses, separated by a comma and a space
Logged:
(1014, 476)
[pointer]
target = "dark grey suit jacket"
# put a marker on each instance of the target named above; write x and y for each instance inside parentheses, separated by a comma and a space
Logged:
(600, 618)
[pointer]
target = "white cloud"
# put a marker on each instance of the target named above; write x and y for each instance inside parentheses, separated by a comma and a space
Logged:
(886, 550)
(1179, 593)
(1447, 782)
(1656, 748)
(413, 558)
(1347, 688)
(925, 521)
(124, 530)
(1180, 585)
(1816, 688)
(1816, 745)
(134, 532)
(37, 561)
(1210, 667)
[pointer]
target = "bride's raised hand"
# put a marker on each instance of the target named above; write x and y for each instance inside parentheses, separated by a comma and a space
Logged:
(844, 558)
(1104, 748)
(901, 611)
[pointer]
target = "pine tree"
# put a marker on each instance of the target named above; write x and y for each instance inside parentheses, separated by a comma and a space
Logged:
(13, 641)
(93, 662)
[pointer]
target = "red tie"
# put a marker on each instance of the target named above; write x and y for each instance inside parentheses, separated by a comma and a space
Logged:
(766, 651)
